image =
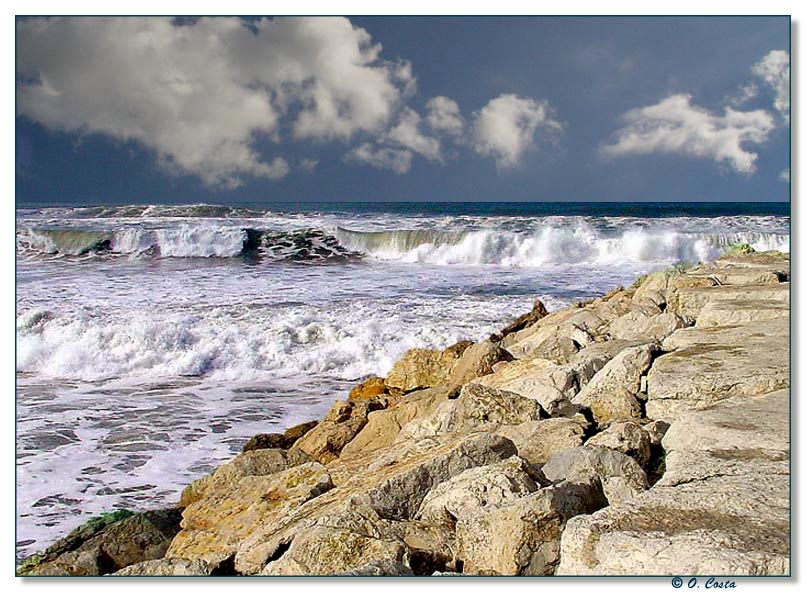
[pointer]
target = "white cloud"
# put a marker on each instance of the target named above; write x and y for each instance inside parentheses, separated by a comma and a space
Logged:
(407, 134)
(444, 116)
(773, 69)
(784, 176)
(506, 127)
(396, 160)
(675, 126)
(202, 94)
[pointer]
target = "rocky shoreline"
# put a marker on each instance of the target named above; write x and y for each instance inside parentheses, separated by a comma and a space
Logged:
(645, 432)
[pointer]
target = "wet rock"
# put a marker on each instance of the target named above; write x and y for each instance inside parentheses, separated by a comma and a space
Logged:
(106, 546)
(284, 440)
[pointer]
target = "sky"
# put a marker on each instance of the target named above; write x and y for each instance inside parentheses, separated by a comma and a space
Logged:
(222, 109)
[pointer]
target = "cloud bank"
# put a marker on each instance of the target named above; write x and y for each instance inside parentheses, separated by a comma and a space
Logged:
(201, 95)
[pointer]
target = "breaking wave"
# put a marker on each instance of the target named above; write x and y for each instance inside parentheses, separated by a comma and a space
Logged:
(546, 246)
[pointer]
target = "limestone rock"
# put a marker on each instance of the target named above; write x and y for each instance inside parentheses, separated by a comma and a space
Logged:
(383, 426)
(213, 526)
(373, 386)
(536, 340)
(537, 441)
(656, 430)
(626, 437)
(116, 545)
(322, 550)
(621, 477)
(477, 408)
(522, 537)
(542, 380)
(419, 368)
(611, 393)
(721, 313)
(476, 361)
(382, 567)
(342, 423)
(722, 506)
(688, 302)
(253, 463)
(721, 526)
(477, 488)
(717, 363)
(166, 567)
(635, 325)
(393, 486)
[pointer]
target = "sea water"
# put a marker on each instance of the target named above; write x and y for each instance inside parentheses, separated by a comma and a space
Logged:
(153, 341)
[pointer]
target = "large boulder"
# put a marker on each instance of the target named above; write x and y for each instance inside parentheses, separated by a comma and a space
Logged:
(323, 550)
(254, 463)
(477, 360)
(343, 422)
(537, 441)
(108, 544)
(522, 536)
(477, 488)
(612, 392)
(626, 437)
(393, 486)
(636, 325)
(420, 368)
(478, 408)
(621, 477)
(383, 426)
(214, 526)
(689, 302)
(522, 322)
(722, 313)
(167, 567)
(545, 381)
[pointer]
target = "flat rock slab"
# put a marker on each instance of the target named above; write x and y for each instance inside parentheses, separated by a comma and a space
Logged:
(688, 302)
(722, 507)
(725, 313)
(716, 363)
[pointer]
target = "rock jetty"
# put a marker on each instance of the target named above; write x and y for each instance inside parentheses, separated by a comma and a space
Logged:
(645, 432)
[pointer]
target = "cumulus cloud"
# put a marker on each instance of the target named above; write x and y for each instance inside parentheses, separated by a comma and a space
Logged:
(506, 127)
(675, 126)
(201, 94)
(773, 69)
(396, 160)
(784, 176)
(444, 116)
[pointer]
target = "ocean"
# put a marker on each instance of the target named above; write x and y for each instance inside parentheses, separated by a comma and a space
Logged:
(153, 341)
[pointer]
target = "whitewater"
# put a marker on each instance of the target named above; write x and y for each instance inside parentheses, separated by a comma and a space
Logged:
(153, 341)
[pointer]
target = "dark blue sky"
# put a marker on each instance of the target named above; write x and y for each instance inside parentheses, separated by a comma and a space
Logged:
(105, 121)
